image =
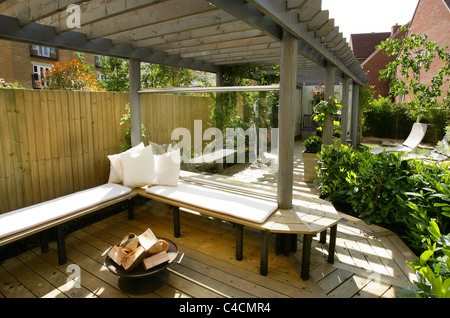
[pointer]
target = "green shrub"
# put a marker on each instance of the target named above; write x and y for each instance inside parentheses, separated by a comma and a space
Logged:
(432, 267)
(383, 189)
(409, 196)
(334, 163)
(313, 144)
(379, 118)
(384, 119)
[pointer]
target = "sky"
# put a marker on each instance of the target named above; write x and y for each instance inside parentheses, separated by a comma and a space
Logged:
(366, 16)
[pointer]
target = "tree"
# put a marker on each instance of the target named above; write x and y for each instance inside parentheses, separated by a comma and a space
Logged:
(70, 75)
(156, 75)
(415, 55)
(115, 74)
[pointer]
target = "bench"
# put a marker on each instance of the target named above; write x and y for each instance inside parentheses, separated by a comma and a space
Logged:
(258, 210)
(39, 218)
(238, 205)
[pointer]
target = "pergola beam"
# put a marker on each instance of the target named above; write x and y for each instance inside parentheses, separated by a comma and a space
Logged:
(30, 11)
(91, 12)
(214, 89)
(45, 35)
(214, 18)
(289, 21)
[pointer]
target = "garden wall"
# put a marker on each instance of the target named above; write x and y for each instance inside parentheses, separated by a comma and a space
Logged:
(53, 143)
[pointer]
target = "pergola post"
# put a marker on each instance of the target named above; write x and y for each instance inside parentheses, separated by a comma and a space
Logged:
(135, 101)
(345, 106)
(288, 85)
(327, 133)
(355, 115)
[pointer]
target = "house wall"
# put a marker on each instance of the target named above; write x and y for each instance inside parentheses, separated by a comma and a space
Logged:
(16, 62)
(376, 62)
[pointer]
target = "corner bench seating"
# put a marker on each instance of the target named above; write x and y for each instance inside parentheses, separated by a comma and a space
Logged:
(258, 210)
(40, 217)
(237, 205)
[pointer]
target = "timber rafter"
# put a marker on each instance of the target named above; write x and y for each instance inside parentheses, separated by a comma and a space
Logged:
(195, 34)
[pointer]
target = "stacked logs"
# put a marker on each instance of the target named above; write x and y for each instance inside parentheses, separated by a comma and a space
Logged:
(134, 250)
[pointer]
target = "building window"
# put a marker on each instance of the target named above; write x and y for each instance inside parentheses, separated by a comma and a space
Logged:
(44, 52)
(39, 74)
(98, 61)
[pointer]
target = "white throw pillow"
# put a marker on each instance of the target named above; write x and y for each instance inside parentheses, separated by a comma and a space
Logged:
(167, 167)
(138, 168)
(116, 170)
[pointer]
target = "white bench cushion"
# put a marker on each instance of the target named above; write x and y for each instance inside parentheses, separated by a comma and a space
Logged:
(246, 208)
(41, 213)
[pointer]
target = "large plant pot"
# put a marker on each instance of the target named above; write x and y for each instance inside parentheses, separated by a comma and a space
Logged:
(310, 163)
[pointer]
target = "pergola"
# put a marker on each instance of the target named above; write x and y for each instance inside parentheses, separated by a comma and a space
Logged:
(204, 35)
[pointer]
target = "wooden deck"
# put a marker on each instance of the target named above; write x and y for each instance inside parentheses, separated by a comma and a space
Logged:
(370, 261)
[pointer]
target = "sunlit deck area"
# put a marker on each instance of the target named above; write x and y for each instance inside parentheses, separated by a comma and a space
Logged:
(370, 261)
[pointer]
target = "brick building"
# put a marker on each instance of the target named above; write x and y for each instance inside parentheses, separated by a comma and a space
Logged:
(372, 60)
(26, 64)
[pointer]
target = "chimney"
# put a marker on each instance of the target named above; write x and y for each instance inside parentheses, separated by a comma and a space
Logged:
(395, 29)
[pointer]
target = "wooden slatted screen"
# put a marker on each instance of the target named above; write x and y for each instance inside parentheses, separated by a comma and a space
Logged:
(54, 143)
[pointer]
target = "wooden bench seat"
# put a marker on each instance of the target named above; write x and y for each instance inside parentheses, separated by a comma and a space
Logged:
(38, 218)
(240, 206)
(257, 210)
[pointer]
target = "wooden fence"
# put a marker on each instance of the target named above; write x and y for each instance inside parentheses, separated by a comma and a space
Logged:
(54, 143)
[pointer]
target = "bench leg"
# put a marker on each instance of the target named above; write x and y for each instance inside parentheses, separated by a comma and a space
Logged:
(278, 243)
(285, 243)
(264, 261)
(306, 255)
(130, 206)
(61, 245)
(239, 241)
(332, 246)
(44, 241)
(293, 243)
(176, 221)
(323, 237)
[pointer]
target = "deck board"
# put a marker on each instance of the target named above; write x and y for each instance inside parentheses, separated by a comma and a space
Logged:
(369, 262)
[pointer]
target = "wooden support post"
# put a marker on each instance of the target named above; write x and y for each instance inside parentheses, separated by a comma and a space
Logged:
(332, 245)
(306, 256)
(239, 241)
(176, 221)
(130, 205)
(61, 245)
(288, 91)
(264, 258)
(355, 115)
(135, 101)
(327, 135)
(345, 108)
(219, 109)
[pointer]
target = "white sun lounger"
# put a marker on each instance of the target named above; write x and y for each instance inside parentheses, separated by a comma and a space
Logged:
(440, 153)
(415, 137)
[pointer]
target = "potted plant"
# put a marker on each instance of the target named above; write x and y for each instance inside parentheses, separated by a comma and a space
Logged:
(313, 145)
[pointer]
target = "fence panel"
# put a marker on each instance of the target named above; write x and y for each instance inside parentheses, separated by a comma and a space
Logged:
(54, 143)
